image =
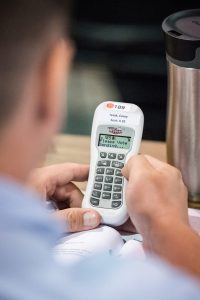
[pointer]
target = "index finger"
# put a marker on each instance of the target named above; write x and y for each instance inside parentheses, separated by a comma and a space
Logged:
(64, 173)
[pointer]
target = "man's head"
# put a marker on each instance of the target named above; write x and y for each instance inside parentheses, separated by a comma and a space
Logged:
(35, 56)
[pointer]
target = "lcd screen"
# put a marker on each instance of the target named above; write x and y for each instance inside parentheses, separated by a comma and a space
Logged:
(114, 141)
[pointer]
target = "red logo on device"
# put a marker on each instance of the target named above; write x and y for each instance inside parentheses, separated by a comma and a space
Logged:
(110, 105)
(115, 130)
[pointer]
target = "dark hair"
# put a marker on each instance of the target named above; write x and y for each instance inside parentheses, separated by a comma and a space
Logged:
(27, 27)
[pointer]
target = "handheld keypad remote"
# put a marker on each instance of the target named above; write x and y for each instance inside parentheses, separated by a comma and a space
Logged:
(116, 136)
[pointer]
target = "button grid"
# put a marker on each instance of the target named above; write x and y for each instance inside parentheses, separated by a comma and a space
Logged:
(107, 189)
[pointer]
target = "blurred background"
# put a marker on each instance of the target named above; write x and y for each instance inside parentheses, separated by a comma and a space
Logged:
(120, 56)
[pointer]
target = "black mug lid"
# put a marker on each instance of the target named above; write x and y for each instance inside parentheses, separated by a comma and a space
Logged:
(182, 35)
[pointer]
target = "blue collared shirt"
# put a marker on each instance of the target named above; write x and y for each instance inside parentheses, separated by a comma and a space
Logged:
(28, 270)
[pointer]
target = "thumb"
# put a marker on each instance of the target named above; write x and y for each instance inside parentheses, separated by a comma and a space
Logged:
(78, 219)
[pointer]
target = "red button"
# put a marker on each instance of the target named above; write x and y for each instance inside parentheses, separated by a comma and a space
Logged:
(110, 105)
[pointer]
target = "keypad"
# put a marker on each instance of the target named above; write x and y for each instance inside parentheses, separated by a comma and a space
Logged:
(117, 196)
(118, 172)
(117, 188)
(97, 186)
(116, 204)
(104, 163)
(109, 179)
(117, 164)
(106, 195)
(94, 201)
(100, 170)
(118, 180)
(112, 155)
(107, 189)
(99, 178)
(120, 156)
(110, 171)
(103, 154)
(96, 194)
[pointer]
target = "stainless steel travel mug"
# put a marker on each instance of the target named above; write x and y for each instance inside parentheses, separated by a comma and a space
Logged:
(182, 36)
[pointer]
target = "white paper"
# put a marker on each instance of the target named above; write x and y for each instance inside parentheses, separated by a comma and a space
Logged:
(194, 219)
(77, 246)
(133, 249)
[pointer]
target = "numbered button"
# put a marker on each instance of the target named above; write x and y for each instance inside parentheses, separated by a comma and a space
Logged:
(120, 156)
(116, 204)
(106, 196)
(94, 201)
(100, 170)
(109, 171)
(103, 154)
(118, 173)
(109, 179)
(96, 194)
(117, 188)
(117, 196)
(98, 186)
(99, 178)
(112, 155)
(107, 187)
(104, 163)
(117, 164)
(118, 180)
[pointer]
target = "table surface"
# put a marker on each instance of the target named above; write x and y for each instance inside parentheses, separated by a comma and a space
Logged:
(75, 148)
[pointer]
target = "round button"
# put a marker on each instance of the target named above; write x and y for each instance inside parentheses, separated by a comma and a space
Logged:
(110, 105)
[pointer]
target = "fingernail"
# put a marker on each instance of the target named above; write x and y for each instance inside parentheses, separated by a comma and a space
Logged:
(90, 219)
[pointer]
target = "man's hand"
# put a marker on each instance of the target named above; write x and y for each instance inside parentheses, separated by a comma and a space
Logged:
(155, 192)
(55, 183)
(157, 204)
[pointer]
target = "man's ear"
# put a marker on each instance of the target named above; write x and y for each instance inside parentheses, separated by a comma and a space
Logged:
(54, 73)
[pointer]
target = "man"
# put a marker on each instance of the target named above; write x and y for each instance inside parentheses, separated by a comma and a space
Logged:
(35, 55)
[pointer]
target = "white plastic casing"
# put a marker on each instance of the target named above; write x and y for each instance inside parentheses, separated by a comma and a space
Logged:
(118, 118)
